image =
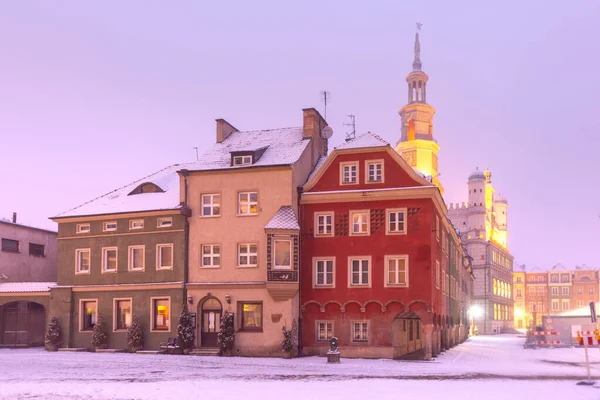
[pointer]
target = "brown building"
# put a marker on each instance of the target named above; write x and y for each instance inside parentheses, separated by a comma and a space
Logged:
(585, 288)
(119, 255)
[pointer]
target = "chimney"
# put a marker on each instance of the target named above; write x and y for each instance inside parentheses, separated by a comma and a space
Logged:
(224, 129)
(312, 129)
(14, 218)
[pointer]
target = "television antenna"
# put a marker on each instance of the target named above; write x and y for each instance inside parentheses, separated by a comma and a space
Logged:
(352, 124)
(325, 97)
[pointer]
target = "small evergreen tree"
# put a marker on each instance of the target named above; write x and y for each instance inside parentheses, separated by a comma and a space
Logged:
(99, 337)
(185, 329)
(226, 335)
(289, 337)
(53, 334)
(135, 334)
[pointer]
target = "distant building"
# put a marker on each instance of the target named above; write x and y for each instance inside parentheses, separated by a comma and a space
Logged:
(585, 287)
(536, 296)
(519, 293)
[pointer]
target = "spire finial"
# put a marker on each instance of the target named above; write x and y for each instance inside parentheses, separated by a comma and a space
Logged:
(417, 62)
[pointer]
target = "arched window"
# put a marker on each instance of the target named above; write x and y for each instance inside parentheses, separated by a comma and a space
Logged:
(146, 187)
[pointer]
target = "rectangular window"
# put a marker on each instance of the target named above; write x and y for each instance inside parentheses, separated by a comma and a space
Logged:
(396, 221)
(247, 255)
(360, 271)
(579, 290)
(242, 160)
(531, 290)
(109, 259)
(88, 314)
(324, 224)
(160, 314)
(38, 250)
(396, 271)
(555, 291)
(531, 279)
(109, 226)
(82, 228)
(349, 173)
(565, 305)
(360, 331)
(324, 331)
(531, 307)
(283, 254)
(437, 274)
(540, 306)
(591, 290)
(579, 304)
(540, 279)
(211, 255)
(565, 290)
(565, 278)
(211, 205)
(553, 278)
(519, 293)
(164, 256)
(136, 258)
(437, 228)
(540, 290)
(164, 222)
(248, 203)
(374, 171)
(136, 224)
(82, 261)
(359, 222)
(251, 316)
(10, 245)
(555, 305)
(519, 279)
(324, 272)
(122, 313)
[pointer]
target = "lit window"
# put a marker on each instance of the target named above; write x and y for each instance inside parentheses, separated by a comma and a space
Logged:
(360, 271)
(324, 331)
(160, 314)
(397, 270)
(247, 255)
(251, 316)
(136, 258)
(324, 224)
(164, 256)
(88, 314)
(136, 224)
(283, 254)
(555, 305)
(109, 226)
(211, 205)
(396, 221)
(82, 228)
(82, 261)
(164, 222)
(565, 305)
(324, 272)
(247, 203)
(374, 171)
(211, 255)
(349, 173)
(109, 259)
(122, 313)
(532, 290)
(360, 331)
(242, 160)
(591, 290)
(359, 221)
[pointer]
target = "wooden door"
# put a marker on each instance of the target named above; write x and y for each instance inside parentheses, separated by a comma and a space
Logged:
(210, 322)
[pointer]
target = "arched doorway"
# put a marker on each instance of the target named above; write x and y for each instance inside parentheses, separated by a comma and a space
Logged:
(406, 336)
(23, 324)
(210, 322)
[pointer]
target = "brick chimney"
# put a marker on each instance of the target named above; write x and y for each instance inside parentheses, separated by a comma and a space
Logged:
(14, 218)
(224, 129)
(313, 127)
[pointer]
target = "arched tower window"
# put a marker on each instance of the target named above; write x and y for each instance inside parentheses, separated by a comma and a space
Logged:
(146, 187)
(410, 135)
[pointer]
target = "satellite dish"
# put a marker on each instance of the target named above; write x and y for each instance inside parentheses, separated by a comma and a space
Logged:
(327, 132)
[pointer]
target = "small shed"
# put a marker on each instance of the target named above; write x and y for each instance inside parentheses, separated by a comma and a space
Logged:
(567, 324)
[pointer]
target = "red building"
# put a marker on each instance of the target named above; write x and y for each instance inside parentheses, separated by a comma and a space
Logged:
(536, 295)
(383, 269)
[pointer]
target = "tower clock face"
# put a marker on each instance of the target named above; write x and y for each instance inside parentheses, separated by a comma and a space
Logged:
(411, 158)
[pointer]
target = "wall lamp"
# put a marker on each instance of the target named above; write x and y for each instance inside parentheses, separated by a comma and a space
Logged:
(228, 298)
(190, 299)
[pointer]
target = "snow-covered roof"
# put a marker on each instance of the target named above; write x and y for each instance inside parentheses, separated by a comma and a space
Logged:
(21, 287)
(282, 147)
(284, 218)
(579, 312)
(319, 164)
(120, 200)
(366, 140)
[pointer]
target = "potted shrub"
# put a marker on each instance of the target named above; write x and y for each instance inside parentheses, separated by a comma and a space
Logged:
(53, 337)
(289, 339)
(185, 330)
(226, 335)
(99, 337)
(135, 334)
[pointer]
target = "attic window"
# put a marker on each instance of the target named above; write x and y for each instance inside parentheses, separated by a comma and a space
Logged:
(146, 187)
(242, 160)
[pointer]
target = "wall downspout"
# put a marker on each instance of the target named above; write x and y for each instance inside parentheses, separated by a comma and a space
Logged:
(186, 211)
(299, 194)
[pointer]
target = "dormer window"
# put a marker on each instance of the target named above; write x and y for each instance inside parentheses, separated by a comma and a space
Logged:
(146, 187)
(242, 160)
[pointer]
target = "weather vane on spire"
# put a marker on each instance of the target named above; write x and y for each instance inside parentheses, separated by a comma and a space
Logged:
(419, 25)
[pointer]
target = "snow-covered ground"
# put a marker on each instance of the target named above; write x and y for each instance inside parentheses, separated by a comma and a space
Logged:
(492, 367)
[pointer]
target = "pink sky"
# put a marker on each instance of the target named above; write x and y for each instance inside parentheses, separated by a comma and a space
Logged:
(96, 95)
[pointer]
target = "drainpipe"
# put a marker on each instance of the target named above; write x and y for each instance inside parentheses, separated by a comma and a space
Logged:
(299, 194)
(186, 253)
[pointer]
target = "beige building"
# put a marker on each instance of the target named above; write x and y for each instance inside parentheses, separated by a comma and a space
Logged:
(244, 232)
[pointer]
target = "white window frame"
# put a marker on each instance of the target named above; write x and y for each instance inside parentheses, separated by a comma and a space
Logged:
(274, 255)
(164, 222)
(83, 228)
(249, 203)
(555, 305)
(370, 272)
(159, 248)
(437, 228)
(438, 268)
(351, 222)
(134, 222)
(562, 305)
(249, 254)
(115, 300)
(211, 205)
(343, 165)
(105, 227)
(324, 285)
(396, 211)
(368, 164)
(331, 226)
(244, 160)
(78, 270)
(540, 290)
(105, 260)
(555, 291)
(212, 255)
(130, 258)
(531, 290)
(364, 331)
(318, 331)
(152, 300)
(564, 290)
(387, 260)
(579, 304)
(81, 314)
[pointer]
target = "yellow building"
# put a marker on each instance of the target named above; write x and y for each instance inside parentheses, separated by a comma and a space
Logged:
(522, 315)
(244, 233)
